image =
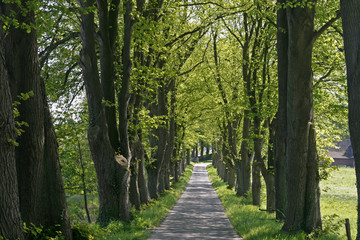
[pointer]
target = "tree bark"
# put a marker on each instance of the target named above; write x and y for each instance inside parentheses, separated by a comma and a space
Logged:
(187, 156)
(302, 165)
(256, 168)
(350, 13)
(244, 169)
(84, 188)
(107, 32)
(281, 117)
(244, 172)
(41, 193)
(123, 98)
(160, 141)
(169, 153)
(268, 173)
(134, 184)
(143, 187)
(54, 201)
(138, 151)
(107, 169)
(10, 219)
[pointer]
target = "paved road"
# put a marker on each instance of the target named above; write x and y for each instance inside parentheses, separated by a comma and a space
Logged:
(198, 214)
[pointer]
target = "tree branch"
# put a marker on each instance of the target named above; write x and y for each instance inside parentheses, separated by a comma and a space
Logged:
(46, 53)
(197, 29)
(323, 77)
(69, 71)
(318, 33)
(232, 33)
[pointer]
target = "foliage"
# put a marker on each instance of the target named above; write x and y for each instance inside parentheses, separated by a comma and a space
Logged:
(40, 233)
(71, 133)
(183, 51)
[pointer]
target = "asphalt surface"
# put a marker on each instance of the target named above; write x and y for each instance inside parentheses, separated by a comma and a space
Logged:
(198, 214)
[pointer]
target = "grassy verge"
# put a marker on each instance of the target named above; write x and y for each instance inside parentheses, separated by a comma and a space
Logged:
(339, 200)
(253, 224)
(143, 221)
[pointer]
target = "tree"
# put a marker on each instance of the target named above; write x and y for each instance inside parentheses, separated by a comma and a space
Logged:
(281, 116)
(41, 193)
(10, 219)
(107, 168)
(350, 13)
(303, 207)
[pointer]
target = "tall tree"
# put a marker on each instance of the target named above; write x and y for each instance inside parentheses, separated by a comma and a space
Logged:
(42, 197)
(123, 98)
(303, 194)
(108, 31)
(107, 168)
(281, 122)
(350, 13)
(10, 219)
(303, 206)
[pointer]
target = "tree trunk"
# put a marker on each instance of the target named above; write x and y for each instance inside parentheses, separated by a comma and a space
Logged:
(159, 141)
(231, 177)
(123, 99)
(134, 184)
(176, 171)
(107, 31)
(143, 186)
(41, 193)
(201, 149)
(243, 178)
(24, 76)
(169, 153)
(302, 165)
(84, 188)
(153, 181)
(256, 168)
(183, 161)
(350, 13)
(281, 118)
(161, 181)
(312, 197)
(268, 173)
(10, 219)
(167, 179)
(188, 156)
(54, 201)
(207, 150)
(107, 169)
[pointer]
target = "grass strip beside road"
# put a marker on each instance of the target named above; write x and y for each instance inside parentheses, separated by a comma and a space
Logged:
(144, 220)
(253, 224)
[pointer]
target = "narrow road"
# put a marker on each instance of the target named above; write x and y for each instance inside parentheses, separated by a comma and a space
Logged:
(198, 214)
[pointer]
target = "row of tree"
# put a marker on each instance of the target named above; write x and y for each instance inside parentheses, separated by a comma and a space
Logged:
(263, 83)
(290, 160)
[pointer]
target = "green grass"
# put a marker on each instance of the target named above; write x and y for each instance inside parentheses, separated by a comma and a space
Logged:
(143, 221)
(338, 196)
(251, 223)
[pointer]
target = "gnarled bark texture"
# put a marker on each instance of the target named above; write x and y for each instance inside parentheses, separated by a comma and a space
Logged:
(10, 219)
(303, 208)
(281, 122)
(41, 193)
(107, 169)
